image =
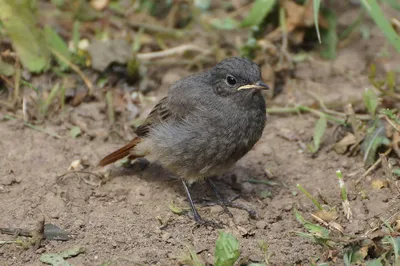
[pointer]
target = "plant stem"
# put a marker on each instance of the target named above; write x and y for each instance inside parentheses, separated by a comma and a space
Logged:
(305, 192)
(27, 124)
(341, 185)
(302, 108)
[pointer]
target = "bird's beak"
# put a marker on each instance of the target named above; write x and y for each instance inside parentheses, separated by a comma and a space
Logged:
(259, 85)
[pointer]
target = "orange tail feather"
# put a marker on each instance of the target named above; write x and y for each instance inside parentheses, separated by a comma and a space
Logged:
(120, 153)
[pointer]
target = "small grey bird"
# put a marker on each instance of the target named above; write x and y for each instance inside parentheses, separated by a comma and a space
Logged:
(204, 125)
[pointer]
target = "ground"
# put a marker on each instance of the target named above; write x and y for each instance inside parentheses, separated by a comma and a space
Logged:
(119, 221)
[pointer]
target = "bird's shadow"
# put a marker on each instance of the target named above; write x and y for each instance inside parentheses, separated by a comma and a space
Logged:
(228, 185)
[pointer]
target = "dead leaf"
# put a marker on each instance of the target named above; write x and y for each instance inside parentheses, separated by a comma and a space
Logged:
(387, 168)
(327, 216)
(107, 52)
(336, 226)
(363, 251)
(379, 184)
(397, 226)
(99, 4)
(301, 16)
(342, 146)
(175, 209)
(288, 134)
(76, 166)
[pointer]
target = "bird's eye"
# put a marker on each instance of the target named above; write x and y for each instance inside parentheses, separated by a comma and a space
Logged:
(230, 80)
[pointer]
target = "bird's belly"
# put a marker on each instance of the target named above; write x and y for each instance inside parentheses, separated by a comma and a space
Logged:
(197, 150)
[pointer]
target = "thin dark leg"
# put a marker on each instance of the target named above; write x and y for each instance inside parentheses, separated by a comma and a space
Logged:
(221, 200)
(229, 203)
(196, 215)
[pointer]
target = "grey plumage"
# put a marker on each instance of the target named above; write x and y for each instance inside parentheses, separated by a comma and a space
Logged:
(210, 125)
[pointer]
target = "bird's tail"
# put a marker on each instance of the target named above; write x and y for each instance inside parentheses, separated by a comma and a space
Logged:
(121, 153)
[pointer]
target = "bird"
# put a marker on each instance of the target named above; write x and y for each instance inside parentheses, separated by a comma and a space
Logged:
(204, 125)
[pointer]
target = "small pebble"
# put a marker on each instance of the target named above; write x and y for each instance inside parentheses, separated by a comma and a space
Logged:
(113, 243)
(288, 207)
(8, 180)
(55, 215)
(166, 236)
(40, 250)
(78, 224)
(261, 224)
(217, 209)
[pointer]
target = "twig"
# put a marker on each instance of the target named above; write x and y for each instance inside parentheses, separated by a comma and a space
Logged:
(333, 112)
(265, 182)
(159, 29)
(76, 69)
(27, 124)
(396, 127)
(17, 82)
(83, 179)
(395, 143)
(6, 104)
(110, 107)
(372, 167)
(6, 80)
(16, 232)
(303, 108)
(387, 92)
(7, 242)
(284, 54)
(172, 51)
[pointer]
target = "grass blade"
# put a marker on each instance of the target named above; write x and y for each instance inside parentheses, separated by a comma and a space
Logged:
(378, 16)
(319, 131)
(316, 5)
(330, 38)
(57, 43)
(370, 101)
(305, 192)
(375, 137)
(258, 12)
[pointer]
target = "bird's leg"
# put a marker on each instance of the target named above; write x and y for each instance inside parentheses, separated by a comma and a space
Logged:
(229, 203)
(196, 215)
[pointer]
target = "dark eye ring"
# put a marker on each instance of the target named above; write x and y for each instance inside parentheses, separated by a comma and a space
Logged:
(230, 80)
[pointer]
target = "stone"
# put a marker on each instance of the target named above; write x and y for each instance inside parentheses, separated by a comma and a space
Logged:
(261, 224)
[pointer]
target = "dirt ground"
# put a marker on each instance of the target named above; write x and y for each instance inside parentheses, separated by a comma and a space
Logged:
(119, 221)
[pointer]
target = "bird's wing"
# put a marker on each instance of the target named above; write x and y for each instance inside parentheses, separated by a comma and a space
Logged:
(160, 113)
(183, 98)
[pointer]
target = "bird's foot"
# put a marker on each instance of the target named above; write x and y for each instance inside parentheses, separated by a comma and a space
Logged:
(207, 223)
(224, 203)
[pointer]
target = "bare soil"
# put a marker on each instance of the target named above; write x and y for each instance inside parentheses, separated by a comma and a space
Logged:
(120, 220)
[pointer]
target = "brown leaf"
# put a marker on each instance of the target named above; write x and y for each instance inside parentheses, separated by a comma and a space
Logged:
(288, 134)
(336, 226)
(99, 4)
(379, 183)
(342, 146)
(363, 251)
(327, 216)
(294, 15)
(309, 17)
(298, 16)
